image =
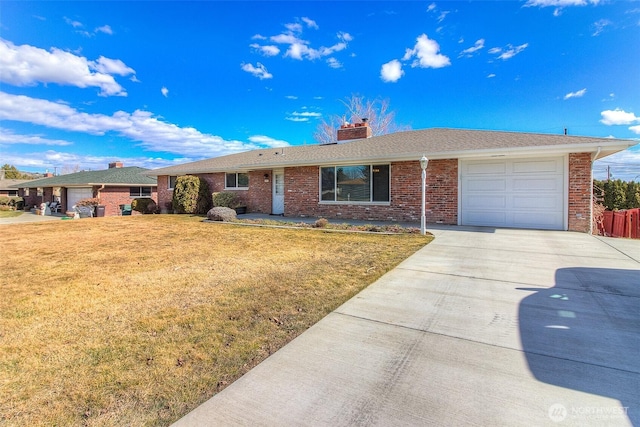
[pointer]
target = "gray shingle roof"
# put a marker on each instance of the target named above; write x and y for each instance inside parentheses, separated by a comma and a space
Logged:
(11, 184)
(437, 143)
(129, 176)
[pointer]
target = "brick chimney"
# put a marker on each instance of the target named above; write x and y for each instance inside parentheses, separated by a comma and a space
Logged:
(355, 131)
(115, 165)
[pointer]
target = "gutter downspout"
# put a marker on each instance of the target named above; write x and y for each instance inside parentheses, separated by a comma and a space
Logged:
(593, 160)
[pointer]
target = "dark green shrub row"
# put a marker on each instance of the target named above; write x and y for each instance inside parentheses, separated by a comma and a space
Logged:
(12, 202)
(616, 194)
(191, 195)
(145, 205)
(225, 199)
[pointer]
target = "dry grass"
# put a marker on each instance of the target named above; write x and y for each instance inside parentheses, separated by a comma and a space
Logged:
(137, 320)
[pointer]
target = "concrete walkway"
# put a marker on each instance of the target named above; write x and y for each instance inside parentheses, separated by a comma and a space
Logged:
(481, 327)
(27, 217)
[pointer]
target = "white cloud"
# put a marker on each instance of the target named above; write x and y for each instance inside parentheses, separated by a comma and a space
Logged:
(624, 165)
(111, 66)
(142, 126)
(600, 26)
(265, 141)
(334, 63)
(51, 159)
(618, 117)
(106, 29)
(27, 65)
(305, 116)
(560, 3)
(164, 91)
(268, 50)
(391, 71)
(635, 129)
(431, 7)
(74, 24)
(310, 23)
(577, 94)
(426, 50)
(471, 50)
(509, 52)
(299, 48)
(291, 97)
(259, 70)
(490, 76)
(8, 137)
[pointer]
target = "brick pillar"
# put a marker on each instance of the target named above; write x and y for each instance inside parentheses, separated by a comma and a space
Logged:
(580, 192)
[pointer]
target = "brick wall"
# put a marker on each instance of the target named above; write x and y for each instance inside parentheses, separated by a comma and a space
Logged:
(580, 192)
(302, 193)
(113, 197)
(257, 197)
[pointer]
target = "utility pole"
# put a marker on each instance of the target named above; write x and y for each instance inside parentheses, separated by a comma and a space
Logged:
(608, 173)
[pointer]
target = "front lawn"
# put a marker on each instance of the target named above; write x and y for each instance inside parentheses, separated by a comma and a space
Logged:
(10, 214)
(137, 320)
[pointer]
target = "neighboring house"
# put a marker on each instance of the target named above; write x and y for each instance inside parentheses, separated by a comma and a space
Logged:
(113, 187)
(8, 187)
(484, 178)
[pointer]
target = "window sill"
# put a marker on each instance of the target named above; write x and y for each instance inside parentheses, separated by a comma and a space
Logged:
(327, 202)
(236, 188)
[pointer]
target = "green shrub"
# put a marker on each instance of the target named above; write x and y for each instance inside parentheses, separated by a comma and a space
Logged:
(12, 202)
(191, 195)
(616, 194)
(144, 205)
(225, 199)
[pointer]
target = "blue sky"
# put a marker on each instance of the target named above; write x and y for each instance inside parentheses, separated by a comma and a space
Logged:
(154, 84)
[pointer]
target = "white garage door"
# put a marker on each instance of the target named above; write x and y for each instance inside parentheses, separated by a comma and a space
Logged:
(76, 194)
(520, 193)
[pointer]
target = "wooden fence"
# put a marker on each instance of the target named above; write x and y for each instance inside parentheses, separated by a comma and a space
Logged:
(621, 224)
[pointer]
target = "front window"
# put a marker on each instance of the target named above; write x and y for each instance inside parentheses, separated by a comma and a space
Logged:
(12, 193)
(237, 180)
(172, 182)
(362, 183)
(140, 192)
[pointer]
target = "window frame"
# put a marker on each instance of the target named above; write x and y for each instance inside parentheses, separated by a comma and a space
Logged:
(335, 200)
(169, 186)
(140, 192)
(236, 180)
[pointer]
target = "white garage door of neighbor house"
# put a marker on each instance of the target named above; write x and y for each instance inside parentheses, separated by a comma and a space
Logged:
(519, 193)
(74, 195)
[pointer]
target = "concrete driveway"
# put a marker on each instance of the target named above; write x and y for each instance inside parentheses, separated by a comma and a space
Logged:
(481, 327)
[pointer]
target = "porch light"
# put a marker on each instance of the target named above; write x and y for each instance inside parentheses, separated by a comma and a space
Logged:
(424, 162)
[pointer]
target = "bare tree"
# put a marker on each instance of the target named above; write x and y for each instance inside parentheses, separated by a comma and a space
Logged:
(67, 169)
(380, 119)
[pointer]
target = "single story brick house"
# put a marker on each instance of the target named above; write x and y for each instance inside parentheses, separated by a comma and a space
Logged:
(8, 187)
(483, 178)
(115, 186)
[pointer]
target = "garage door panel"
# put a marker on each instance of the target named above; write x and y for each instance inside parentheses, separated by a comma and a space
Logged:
(497, 219)
(537, 166)
(522, 193)
(487, 202)
(537, 203)
(74, 195)
(537, 184)
(487, 168)
(488, 185)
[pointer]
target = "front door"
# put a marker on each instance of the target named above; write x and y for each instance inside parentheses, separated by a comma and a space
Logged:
(278, 192)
